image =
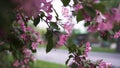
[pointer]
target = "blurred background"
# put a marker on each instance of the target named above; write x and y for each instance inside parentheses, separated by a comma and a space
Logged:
(109, 50)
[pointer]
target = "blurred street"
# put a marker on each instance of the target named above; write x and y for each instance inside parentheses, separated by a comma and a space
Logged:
(60, 56)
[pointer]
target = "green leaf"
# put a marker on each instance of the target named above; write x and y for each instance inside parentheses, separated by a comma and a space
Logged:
(87, 24)
(74, 65)
(6, 18)
(111, 3)
(75, 2)
(15, 41)
(100, 7)
(4, 47)
(49, 37)
(34, 51)
(79, 52)
(90, 11)
(79, 16)
(54, 25)
(65, 2)
(72, 48)
(105, 37)
(37, 20)
(42, 14)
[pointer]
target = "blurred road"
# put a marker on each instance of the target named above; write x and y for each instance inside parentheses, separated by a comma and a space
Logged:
(60, 56)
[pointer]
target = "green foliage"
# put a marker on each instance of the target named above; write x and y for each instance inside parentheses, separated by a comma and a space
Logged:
(16, 43)
(44, 64)
(36, 20)
(111, 3)
(87, 24)
(6, 59)
(75, 2)
(101, 49)
(65, 2)
(74, 65)
(54, 25)
(6, 14)
(90, 11)
(105, 36)
(4, 47)
(49, 37)
(79, 16)
(99, 6)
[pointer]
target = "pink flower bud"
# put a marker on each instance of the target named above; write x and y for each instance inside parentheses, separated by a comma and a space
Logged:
(34, 45)
(16, 63)
(77, 7)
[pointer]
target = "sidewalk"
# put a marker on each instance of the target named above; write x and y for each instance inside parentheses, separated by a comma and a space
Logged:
(60, 56)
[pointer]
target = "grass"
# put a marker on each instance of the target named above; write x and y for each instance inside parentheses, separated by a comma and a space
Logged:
(100, 49)
(44, 64)
(94, 49)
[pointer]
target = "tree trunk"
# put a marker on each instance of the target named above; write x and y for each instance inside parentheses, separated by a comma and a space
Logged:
(118, 45)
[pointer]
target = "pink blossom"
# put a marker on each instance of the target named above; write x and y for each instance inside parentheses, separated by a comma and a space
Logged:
(63, 39)
(46, 6)
(22, 26)
(29, 7)
(68, 27)
(108, 65)
(100, 17)
(78, 7)
(39, 41)
(26, 60)
(87, 49)
(109, 18)
(117, 15)
(32, 58)
(29, 28)
(104, 65)
(34, 45)
(49, 17)
(27, 52)
(117, 34)
(16, 63)
(104, 26)
(23, 36)
(92, 28)
(33, 7)
(65, 12)
(116, 12)
(96, 1)
(86, 17)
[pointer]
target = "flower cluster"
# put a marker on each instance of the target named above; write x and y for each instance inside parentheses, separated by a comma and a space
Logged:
(33, 7)
(104, 65)
(68, 26)
(23, 40)
(63, 39)
(24, 63)
(87, 49)
(117, 35)
(77, 7)
(30, 40)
